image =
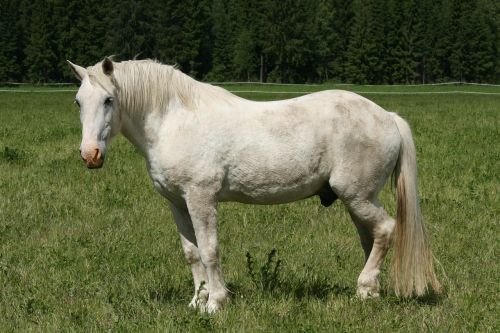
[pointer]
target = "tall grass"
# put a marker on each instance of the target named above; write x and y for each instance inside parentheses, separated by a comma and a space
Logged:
(97, 250)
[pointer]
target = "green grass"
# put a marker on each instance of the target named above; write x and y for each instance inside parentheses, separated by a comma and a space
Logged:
(97, 250)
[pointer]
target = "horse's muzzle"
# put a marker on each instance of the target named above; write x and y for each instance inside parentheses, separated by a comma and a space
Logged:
(93, 159)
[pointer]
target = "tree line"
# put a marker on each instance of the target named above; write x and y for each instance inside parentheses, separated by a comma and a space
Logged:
(296, 41)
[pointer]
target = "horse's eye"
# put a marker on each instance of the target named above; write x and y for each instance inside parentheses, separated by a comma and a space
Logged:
(108, 101)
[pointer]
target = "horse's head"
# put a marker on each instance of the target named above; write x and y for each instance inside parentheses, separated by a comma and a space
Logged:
(99, 113)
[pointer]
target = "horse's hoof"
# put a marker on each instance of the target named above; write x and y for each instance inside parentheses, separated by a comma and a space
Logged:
(367, 293)
(212, 307)
(197, 303)
(193, 304)
(368, 286)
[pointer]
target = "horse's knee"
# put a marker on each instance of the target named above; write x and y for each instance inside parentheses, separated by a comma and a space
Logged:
(209, 256)
(191, 254)
(384, 230)
(373, 219)
(366, 212)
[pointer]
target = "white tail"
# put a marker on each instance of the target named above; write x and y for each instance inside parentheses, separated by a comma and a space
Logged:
(412, 268)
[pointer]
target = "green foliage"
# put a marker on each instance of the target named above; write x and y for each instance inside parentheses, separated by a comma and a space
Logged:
(368, 41)
(222, 42)
(41, 56)
(244, 59)
(267, 278)
(361, 45)
(12, 155)
(9, 61)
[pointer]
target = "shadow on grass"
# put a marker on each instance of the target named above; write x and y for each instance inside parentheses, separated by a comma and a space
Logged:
(317, 289)
(299, 289)
(432, 298)
(268, 278)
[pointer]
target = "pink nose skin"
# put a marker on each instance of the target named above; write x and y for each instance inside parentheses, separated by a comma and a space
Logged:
(93, 159)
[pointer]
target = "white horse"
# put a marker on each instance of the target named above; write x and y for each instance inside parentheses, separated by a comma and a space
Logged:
(204, 145)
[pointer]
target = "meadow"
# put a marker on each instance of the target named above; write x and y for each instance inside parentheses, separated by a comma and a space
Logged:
(97, 250)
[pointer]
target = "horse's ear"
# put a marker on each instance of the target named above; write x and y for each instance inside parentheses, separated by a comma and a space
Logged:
(79, 71)
(107, 66)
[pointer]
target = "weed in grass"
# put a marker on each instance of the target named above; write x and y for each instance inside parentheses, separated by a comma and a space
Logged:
(13, 155)
(316, 287)
(267, 277)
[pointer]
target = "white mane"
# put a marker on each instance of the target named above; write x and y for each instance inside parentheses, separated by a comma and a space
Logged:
(143, 85)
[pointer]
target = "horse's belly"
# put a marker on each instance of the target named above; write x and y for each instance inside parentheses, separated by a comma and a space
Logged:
(276, 166)
(270, 188)
(269, 197)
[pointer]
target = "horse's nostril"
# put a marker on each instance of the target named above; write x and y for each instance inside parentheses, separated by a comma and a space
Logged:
(97, 154)
(93, 158)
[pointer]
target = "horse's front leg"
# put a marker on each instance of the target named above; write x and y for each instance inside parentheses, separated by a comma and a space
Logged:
(191, 252)
(202, 207)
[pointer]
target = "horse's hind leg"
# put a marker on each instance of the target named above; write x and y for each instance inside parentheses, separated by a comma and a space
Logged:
(375, 228)
(192, 254)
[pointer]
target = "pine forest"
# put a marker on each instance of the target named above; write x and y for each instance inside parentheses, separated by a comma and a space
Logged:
(286, 41)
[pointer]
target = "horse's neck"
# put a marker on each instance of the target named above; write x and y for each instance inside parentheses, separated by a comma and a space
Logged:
(142, 115)
(141, 122)
(134, 132)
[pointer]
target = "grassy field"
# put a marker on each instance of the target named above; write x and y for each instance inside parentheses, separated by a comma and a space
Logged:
(85, 250)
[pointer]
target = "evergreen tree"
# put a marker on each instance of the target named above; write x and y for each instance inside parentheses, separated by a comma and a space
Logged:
(406, 49)
(182, 35)
(424, 31)
(9, 53)
(325, 39)
(377, 55)
(135, 20)
(244, 59)
(81, 28)
(41, 58)
(361, 46)
(222, 43)
(171, 46)
(338, 41)
(481, 59)
(462, 12)
(438, 65)
(261, 25)
(495, 24)
(291, 39)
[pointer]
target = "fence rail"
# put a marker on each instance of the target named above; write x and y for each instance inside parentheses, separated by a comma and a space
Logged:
(458, 83)
(61, 87)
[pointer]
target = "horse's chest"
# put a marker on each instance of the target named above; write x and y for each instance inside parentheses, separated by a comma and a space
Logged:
(164, 182)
